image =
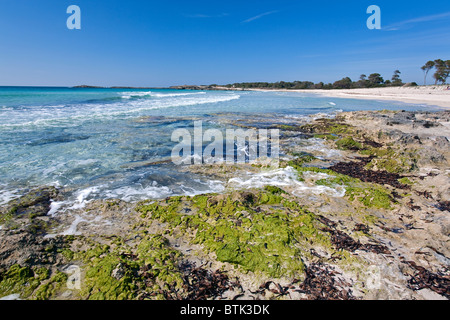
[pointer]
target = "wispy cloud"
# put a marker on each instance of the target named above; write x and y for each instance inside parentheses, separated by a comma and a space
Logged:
(399, 25)
(259, 16)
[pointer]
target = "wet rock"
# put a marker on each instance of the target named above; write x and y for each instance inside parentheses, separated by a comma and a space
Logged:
(34, 204)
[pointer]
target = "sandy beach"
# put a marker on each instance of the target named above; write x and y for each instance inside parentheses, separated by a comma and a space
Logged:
(430, 95)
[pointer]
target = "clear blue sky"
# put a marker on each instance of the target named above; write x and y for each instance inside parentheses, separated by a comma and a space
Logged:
(161, 43)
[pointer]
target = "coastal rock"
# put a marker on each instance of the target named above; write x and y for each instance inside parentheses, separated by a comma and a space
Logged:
(35, 203)
(26, 249)
(384, 237)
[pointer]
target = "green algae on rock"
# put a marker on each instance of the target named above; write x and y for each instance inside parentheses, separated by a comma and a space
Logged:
(30, 283)
(349, 143)
(328, 126)
(259, 232)
(269, 239)
(369, 194)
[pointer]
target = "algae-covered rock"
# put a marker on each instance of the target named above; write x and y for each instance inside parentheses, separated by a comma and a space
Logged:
(384, 236)
(33, 204)
(259, 232)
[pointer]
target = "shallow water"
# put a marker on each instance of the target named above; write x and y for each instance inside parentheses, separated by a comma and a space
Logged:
(100, 143)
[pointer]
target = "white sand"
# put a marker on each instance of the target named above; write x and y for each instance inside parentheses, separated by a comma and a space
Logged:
(431, 95)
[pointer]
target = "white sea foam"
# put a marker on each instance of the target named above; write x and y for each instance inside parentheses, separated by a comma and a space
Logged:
(54, 207)
(312, 117)
(72, 230)
(285, 177)
(329, 115)
(168, 95)
(138, 106)
(73, 115)
(8, 195)
(133, 194)
(81, 197)
(156, 191)
(212, 186)
(280, 178)
(129, 95)
(319, 146)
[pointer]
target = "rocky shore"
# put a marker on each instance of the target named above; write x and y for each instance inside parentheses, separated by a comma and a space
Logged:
(366, 215)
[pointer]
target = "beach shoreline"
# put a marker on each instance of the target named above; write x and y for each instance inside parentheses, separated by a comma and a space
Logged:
(429, 95)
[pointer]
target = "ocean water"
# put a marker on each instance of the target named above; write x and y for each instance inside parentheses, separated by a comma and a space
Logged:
(101, 143)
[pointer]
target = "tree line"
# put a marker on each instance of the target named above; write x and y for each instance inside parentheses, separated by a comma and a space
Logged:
(442, 70)
(374, 80)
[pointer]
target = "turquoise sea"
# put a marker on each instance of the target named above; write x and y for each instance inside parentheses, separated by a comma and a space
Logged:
(101, 143)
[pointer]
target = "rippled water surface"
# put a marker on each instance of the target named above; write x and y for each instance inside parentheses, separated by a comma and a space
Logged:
(101, 142)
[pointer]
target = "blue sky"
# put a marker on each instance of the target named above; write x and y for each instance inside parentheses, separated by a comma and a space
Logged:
(162, 43)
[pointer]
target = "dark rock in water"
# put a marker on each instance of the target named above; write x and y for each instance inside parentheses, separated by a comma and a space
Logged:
(35, 203)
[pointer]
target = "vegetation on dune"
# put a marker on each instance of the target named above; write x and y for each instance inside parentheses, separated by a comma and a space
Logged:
(374, 80)
(442, 70)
